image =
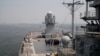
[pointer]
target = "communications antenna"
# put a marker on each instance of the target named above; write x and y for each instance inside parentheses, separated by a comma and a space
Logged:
(75, 5)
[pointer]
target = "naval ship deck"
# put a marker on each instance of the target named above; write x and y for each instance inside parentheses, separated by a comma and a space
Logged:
(33, 46)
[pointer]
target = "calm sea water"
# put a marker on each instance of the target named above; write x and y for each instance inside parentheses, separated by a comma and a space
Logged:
(11, 37)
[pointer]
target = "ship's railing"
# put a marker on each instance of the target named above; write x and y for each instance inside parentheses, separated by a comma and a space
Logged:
(91, 13)
(93, 28)
(91, 3)
(80, 30)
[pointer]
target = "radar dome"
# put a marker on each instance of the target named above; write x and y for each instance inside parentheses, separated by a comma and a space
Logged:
(49, 12)
(65, 41)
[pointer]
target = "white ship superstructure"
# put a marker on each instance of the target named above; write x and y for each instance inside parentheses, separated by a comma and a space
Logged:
(50, 24)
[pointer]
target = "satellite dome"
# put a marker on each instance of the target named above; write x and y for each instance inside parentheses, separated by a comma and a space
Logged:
(65, 41)
(49, 12)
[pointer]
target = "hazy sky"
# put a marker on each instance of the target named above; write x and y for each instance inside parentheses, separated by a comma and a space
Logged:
(34, 11)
